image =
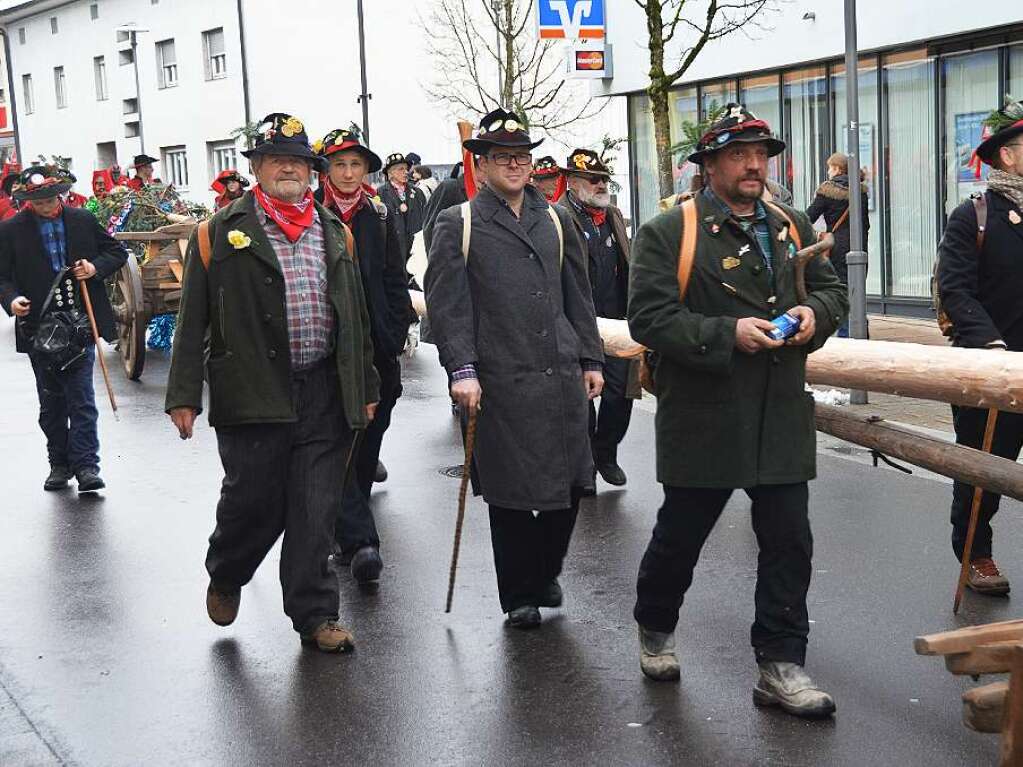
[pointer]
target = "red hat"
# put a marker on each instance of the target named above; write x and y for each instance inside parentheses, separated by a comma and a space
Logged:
(219, 184)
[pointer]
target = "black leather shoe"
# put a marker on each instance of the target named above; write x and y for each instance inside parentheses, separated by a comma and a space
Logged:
(612, 473)
(89, 481)
(551, 595)
(57, 480)
(367, 564)
(525, 617)
(381, 472)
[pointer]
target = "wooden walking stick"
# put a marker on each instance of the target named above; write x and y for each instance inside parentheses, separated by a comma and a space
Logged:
(95, 338)
(470, 443)
(978, 495)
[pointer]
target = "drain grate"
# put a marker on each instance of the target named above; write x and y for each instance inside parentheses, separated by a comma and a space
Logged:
(455, 472)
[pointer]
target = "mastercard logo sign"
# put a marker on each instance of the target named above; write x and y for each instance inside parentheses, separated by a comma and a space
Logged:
(589, 61)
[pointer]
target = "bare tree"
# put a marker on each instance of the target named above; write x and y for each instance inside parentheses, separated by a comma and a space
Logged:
(711, 20)
(487, 55)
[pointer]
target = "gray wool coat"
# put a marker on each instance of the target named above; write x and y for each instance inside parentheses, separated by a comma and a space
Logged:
(527, 323)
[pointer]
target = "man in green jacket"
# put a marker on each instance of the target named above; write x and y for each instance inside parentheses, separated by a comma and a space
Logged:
(276, 322)
(732, 409)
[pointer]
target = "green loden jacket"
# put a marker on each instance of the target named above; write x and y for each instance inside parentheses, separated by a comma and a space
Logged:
(726, 419)
(232, 326)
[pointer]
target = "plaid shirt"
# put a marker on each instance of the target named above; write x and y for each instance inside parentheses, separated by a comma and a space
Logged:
(54, 241)
(311, 321)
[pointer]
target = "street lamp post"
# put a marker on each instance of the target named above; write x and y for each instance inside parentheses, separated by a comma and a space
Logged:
(364, 97)
(856, 260)
(498, 6)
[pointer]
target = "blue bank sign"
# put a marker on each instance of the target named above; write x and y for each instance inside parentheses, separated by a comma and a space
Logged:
(571, 19)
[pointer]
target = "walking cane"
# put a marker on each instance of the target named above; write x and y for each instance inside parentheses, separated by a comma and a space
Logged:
(470, 443)
(978, 494)
(95, 338)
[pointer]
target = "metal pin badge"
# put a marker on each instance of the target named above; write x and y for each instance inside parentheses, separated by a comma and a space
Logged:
(783, 234)
(714, 228)
(1014, 217)
(730, 262)
(744, 250)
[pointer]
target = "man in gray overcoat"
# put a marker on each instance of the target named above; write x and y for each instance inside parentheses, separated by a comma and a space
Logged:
(513, 320)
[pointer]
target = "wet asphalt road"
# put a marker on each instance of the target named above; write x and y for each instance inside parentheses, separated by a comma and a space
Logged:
(107, 656)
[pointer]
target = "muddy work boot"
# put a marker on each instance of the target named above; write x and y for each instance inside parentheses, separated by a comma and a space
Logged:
(222, 606)
(57, 478)
(985, 578)
(330, 636)
(657, 657)
(788, 686)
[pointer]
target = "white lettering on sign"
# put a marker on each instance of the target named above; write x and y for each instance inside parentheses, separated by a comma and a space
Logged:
(573, 20)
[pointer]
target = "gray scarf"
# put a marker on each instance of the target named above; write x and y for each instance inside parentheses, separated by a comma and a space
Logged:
(1009, 185)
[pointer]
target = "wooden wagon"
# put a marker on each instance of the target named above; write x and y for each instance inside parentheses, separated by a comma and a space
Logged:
(143, 289)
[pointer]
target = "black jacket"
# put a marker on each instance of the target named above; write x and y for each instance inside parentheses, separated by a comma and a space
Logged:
(450, 192)
(25, 266)
(983, 292)
(409, 222)
(831, 201)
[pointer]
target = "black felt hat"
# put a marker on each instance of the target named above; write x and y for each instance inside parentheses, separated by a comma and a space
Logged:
(1002, 126)
(40, 182)
(586, 162)
(501, 128)
(396, 159)
(546, 167)
(737, 124)
(143, 159)
(284, 134)
(343, 139)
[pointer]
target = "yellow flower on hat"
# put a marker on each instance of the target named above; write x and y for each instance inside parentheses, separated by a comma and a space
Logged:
(318, 147)
(239, 239)
(292, 126)
(581, 161)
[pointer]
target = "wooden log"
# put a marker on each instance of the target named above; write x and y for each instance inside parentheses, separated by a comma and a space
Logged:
(993, 658)
(984, 707)
(965, 639)
(1012, 720)
(974, 377)
(975, 467)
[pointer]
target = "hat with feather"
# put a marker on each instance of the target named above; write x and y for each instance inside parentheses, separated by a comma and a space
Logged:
(1000, 127)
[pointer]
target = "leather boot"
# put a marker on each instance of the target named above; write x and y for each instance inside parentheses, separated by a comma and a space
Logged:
(788, 686)
(89, 480)
(525, 617)
(222, 606)
(551, 595)
(58, 478)
(657, 657)
(330, 636)
(985, 578)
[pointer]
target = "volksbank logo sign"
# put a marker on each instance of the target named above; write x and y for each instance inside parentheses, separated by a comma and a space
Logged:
(571, 19)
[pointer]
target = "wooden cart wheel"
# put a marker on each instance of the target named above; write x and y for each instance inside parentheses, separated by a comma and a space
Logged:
(132, 318)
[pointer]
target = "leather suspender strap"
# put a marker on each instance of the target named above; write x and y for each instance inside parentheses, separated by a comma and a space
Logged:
(980, 207)
(205, 248)
(687, 248)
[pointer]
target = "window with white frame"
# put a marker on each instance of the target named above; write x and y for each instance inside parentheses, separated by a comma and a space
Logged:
(99, 68)
(223, 156)
(175, 165)
(30, 99)
(60, 87)
(166, 60)
(216, 53)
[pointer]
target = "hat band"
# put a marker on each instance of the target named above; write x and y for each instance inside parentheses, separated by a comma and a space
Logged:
(710, 135)
(48, 181)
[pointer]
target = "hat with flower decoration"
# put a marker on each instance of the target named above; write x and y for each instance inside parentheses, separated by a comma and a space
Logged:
(500, 128)
(40, 182)
(546, 167)
(342, 139)
(586, 162)
(999, 128)
(283, 134)
(396, 158)
(737, 125)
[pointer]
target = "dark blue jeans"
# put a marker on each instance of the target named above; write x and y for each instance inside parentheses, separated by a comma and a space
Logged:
(68, 414)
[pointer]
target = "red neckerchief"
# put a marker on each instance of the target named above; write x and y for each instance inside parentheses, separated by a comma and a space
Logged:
(599, 215)
(293, 219)
(31, 207)
(345, 205)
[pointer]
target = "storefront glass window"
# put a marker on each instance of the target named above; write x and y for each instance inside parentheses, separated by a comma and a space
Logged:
(716, 95)
(869, 140)
(971, 92)
(1015, 80)
(682, 106)
(760, 96)
(806, 128)
(645, 157)
(909, 107)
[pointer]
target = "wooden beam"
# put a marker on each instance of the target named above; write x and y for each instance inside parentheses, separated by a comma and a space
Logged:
(984, 707)
(998, 475)
(993, 658)
(965, 639)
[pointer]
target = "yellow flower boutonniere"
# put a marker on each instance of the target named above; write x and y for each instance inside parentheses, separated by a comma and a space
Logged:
(239, 239)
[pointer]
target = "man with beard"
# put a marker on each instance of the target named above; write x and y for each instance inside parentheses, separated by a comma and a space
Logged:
(732, 410)
(508, 296)
(274, 318)
(405, 203)
(607, 245)
(381, 263)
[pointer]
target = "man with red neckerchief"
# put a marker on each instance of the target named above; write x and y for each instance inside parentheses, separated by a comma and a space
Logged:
(274, 317)
(344, 192)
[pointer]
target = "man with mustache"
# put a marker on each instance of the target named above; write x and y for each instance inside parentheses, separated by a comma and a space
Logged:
(732, 412)
(607, 244)
(273, 316)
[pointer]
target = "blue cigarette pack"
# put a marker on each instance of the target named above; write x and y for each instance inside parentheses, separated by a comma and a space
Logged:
(785, 326)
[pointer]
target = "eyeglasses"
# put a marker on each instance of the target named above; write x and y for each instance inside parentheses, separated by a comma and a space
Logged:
(505, 158)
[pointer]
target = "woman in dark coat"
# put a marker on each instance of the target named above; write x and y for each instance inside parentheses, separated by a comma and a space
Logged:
(832, 202)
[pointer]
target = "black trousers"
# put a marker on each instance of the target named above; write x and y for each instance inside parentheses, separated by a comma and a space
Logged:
(1008, 439)
(67, 412)
(608, 426)
(285, 478)
(782, 528)
(529, 550)
(355, 527)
